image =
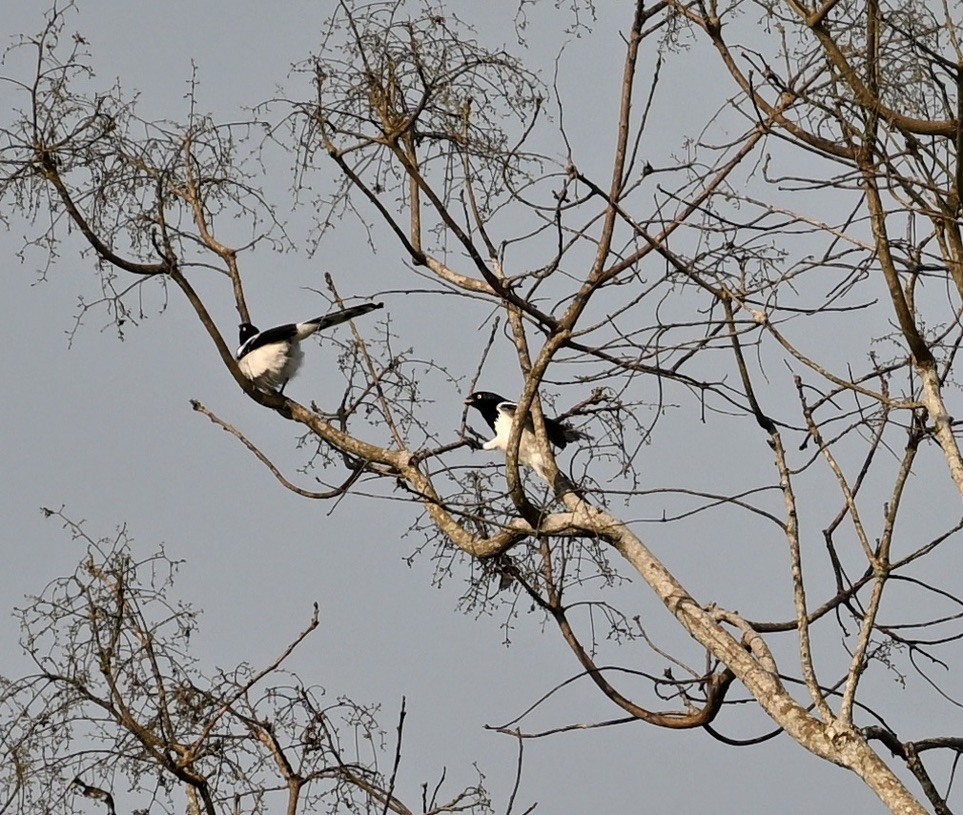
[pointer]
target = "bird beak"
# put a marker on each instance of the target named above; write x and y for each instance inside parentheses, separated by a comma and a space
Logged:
(468, 400)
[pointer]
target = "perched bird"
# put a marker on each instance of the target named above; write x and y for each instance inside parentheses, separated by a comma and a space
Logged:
(500, 413)
(95, 792)
(270, 358)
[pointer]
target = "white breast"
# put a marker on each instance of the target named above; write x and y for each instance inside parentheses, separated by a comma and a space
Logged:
(272, 365)
(528, 453)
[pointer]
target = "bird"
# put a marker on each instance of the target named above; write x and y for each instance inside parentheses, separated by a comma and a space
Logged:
(96, 793)
(500, 414)
(270, 358)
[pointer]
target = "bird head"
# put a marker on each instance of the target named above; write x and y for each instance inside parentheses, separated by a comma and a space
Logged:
(482, 398)
(246, 331)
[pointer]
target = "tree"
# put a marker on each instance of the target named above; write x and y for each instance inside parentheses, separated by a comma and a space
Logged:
(117, 694)
(786, 275)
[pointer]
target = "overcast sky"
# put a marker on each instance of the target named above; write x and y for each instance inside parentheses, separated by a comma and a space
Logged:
(104, 428)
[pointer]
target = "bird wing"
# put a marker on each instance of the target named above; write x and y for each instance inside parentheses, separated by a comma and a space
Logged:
(280, 333)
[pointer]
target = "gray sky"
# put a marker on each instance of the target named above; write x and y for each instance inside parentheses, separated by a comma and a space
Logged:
(105, 429)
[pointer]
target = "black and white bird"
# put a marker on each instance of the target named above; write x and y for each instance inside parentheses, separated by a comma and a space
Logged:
(500, 414)
(270, 358)
(96, 793)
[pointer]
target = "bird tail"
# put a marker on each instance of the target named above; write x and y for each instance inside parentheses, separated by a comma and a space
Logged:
(571, 434)
(337, 317)
(560, 433)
